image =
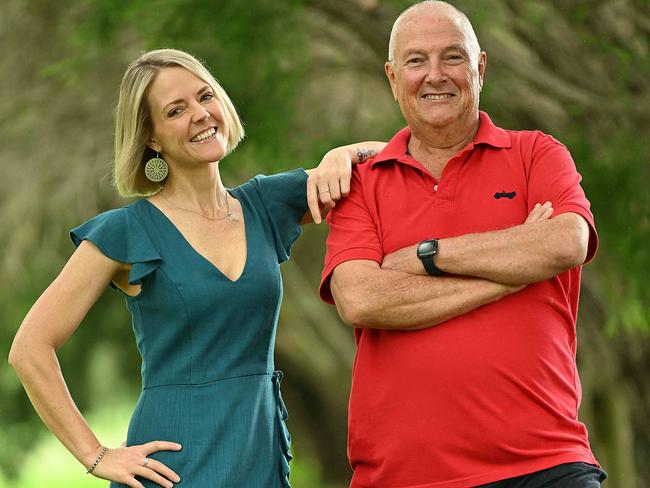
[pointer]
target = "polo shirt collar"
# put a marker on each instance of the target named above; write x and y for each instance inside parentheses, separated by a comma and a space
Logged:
(488, 134)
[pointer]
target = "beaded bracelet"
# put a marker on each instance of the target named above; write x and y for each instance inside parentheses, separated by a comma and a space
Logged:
(99, 458)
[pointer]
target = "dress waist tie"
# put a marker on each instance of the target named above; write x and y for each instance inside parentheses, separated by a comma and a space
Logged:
(285, 437)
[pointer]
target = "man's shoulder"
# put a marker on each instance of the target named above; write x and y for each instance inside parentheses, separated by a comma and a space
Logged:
(363, 172)
(530, 138)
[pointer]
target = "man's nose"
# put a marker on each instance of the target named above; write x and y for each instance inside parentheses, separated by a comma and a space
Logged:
(436, 73)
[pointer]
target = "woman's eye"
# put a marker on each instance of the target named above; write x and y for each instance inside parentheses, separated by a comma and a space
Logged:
(207, 96)
(174, 112)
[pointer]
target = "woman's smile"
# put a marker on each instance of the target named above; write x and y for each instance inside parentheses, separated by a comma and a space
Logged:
(205, 136)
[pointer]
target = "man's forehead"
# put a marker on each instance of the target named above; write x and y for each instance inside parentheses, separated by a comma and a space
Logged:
(436, 28)
(431, 37)
(432, 19)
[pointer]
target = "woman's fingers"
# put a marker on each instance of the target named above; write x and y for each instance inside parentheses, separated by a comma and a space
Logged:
(329, 182)
(345, 184)
(312, 201)
(163, 470)
(155, 446)
(334, 187)
(321, 189)
(155, 470)
(326, 195)
(150, 474)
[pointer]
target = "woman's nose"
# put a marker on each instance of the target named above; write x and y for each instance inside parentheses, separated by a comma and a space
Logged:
(200, 114)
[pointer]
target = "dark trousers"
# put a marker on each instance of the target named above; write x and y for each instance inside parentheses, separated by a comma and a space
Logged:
(570, 475)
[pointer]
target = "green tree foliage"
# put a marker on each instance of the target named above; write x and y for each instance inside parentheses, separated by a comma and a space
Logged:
(306, 75)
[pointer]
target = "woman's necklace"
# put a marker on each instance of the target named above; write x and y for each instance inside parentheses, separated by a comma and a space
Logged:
(228, 214)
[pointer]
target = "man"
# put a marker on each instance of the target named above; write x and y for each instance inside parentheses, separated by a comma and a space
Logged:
(457, 259)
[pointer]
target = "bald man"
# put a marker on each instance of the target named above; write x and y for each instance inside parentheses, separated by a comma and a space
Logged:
(457, 259)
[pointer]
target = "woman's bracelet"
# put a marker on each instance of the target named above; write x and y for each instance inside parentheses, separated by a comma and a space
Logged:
(99, 458)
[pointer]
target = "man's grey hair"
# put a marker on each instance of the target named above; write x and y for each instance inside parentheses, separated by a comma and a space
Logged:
(474, 47)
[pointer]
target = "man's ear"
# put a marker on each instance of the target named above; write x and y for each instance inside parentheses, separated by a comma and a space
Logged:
(482, 63)
(390, 74)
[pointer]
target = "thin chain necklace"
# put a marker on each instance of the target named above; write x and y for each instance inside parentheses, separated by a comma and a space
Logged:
(229, 214)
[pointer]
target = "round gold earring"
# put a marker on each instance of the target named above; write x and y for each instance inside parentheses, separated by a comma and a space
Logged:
(156, 169)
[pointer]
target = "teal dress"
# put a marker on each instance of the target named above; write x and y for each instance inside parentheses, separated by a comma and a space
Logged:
(208, 376)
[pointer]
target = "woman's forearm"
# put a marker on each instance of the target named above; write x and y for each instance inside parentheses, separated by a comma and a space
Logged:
(38, 368)
(48, 325)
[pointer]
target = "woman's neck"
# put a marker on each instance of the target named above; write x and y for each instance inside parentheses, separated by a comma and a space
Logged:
(200, 190)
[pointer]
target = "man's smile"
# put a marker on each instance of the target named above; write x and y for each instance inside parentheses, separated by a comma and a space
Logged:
(441, 96)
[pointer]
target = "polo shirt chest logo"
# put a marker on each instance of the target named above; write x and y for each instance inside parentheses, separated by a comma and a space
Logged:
(504, 194)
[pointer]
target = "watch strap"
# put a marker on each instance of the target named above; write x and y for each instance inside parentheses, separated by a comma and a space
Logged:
(431, 267)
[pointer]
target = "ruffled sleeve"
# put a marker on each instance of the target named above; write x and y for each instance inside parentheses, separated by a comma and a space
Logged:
(119, 235)
(284, 198)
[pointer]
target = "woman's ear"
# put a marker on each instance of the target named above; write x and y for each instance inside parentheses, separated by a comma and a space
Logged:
(154, 145)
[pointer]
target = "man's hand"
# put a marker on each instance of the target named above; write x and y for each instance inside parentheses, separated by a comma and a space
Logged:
(540, 212)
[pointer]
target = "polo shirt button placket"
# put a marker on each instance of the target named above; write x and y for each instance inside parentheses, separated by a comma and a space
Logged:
(435, 187)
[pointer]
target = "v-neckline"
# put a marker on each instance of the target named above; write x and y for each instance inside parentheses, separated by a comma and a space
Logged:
(196, 252)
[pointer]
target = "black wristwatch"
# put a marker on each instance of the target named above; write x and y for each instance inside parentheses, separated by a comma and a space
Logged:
(426, 251)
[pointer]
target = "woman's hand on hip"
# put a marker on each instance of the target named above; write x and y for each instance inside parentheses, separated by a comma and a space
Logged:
(125, 463)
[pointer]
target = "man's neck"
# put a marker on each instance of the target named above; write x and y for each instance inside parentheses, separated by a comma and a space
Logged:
(434, 147)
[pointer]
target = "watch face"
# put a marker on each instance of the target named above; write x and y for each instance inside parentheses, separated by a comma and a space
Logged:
(427, 249)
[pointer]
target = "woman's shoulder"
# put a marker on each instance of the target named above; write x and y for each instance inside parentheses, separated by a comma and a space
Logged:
(274, 185)
(119, 215)
(114, 224)
(262, 181)
(120, 235)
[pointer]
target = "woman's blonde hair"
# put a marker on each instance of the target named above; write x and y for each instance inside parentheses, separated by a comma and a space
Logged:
(133, 126)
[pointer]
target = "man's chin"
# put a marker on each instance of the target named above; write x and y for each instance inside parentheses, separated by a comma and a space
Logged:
(439, 121)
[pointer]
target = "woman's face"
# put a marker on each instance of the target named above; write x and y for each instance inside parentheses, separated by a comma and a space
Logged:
(188, 123)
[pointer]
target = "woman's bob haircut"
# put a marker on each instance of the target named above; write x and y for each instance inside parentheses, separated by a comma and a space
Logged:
(133, 127)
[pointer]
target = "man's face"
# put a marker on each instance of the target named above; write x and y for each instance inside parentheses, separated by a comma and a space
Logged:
(436, 74)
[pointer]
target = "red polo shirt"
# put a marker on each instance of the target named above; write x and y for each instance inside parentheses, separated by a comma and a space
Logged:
(491, 394)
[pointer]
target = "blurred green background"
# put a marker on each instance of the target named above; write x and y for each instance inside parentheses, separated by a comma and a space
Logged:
(307, 75)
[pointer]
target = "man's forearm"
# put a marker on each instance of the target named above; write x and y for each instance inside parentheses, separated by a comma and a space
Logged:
(524, 254)
(385, 299)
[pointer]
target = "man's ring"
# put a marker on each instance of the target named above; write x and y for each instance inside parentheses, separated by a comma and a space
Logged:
(323, 191)
(146, 461)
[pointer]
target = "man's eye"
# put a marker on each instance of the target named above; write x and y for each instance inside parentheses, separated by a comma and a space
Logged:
(454, 57)
(414, 60)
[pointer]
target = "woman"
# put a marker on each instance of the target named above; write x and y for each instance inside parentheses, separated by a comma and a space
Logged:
(199, 267)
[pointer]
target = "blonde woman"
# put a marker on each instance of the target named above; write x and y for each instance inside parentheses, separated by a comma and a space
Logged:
(198, 264)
